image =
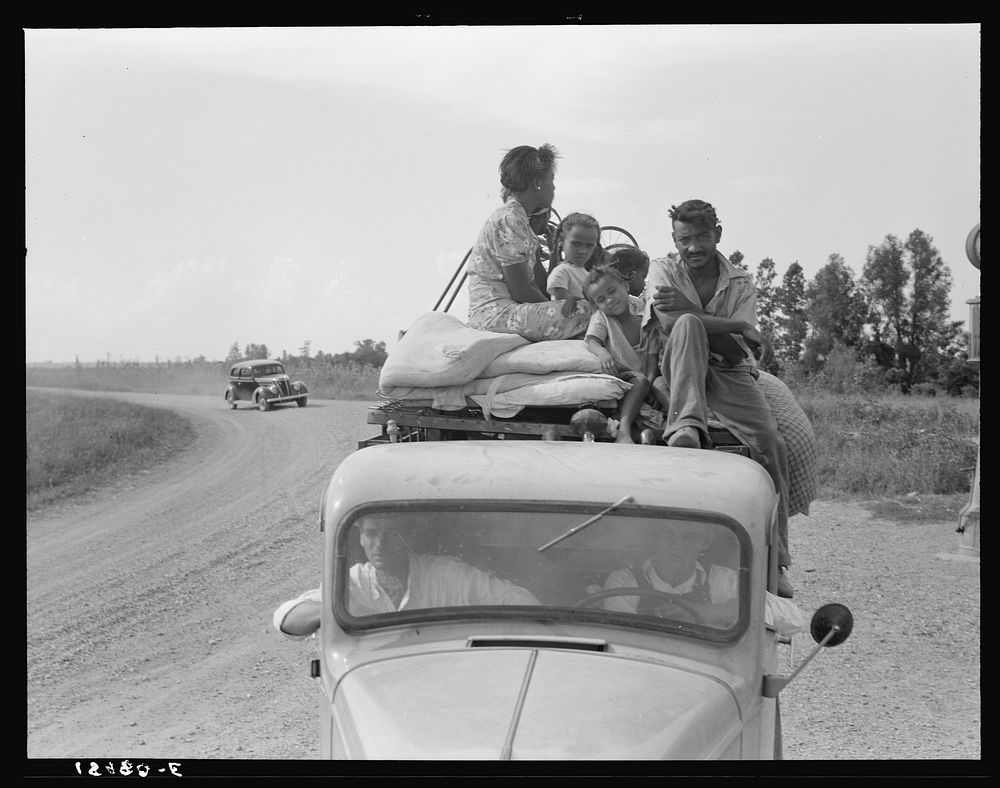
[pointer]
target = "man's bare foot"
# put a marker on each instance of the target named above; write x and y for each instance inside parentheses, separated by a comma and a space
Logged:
(624, 436)
(685, 438)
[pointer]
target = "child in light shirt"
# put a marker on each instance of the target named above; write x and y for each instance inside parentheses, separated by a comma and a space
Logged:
(616, 336)
(576, 246)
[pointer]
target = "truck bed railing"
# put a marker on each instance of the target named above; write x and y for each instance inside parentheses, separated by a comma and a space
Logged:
(403, 423)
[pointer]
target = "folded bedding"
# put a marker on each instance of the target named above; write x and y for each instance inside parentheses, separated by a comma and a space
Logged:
(444, 363)
(504, 396)
(441, 350)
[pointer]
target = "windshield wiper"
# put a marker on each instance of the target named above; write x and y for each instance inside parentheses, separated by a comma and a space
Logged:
(623, 500)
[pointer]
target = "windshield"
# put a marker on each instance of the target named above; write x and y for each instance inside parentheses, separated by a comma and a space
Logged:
(268, 369)
(645, 568)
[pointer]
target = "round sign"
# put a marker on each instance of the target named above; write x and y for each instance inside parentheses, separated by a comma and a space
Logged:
(972, 246)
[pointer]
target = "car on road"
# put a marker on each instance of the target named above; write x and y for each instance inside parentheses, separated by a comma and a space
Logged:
(263, 383)
(544, 652)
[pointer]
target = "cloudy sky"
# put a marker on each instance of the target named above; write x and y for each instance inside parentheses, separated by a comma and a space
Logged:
(191, 188)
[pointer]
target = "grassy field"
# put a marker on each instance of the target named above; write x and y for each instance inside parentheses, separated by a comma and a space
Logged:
(893, 445)
(75, 444)
(206, 378)
(908, 457)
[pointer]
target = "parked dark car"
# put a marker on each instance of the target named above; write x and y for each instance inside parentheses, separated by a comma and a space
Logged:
(264, 383)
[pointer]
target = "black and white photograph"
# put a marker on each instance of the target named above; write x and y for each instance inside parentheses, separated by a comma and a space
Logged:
(600, 398)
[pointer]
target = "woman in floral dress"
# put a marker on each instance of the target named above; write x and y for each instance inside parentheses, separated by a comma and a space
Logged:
(503, 294)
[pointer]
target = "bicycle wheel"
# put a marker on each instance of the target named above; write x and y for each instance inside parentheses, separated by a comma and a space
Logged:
(548, 238)
(613, 237)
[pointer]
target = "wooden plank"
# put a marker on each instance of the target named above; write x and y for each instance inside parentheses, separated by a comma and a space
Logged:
(466, 423)
(434, 423)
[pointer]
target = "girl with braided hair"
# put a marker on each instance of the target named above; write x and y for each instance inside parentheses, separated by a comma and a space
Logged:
(576, 249)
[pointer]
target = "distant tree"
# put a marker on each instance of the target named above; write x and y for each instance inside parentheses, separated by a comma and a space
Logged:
(767, 297)
(234, 353)
(835, 311)
(736, 258)
(304, 350)
(886, 278)
(767, 306)
(932, 334)
(909, 288)
(367, 351)
(256, 351)
(792, 325)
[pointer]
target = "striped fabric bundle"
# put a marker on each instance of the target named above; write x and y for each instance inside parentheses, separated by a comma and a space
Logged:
(803, 454)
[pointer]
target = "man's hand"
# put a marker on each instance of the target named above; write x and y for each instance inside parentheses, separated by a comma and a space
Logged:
(759, 346)
(670, 299)
(675, 612)
(727, 347)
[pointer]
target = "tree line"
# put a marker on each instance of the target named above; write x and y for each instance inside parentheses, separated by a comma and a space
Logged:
(892, 322)
(366, 352)
(888, 328)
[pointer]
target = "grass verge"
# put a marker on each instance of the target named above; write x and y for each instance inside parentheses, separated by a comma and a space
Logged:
(906, 459)
(76, 444)
(891, 446)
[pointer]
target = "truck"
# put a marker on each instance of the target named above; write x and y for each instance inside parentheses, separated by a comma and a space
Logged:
(527, 628)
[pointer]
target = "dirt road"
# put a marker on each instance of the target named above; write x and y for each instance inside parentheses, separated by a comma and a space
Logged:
(149, 609)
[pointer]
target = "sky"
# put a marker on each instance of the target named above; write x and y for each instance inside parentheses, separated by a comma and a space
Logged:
(191, 188)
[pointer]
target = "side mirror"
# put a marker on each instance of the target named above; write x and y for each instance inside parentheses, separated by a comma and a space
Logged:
(831, 625)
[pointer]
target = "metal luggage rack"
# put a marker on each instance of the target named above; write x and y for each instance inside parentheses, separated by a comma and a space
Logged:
(408, 424)
(402, 423)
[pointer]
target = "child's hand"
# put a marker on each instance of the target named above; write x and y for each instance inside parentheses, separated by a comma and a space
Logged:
(569, 306)
(608, 366)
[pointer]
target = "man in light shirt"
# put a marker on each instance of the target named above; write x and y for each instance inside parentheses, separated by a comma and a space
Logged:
(706, 311)
(395, 578)
(703, 592)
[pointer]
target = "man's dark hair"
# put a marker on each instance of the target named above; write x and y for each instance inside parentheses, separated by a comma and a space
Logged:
(696, 212)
